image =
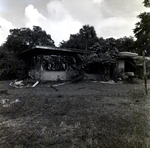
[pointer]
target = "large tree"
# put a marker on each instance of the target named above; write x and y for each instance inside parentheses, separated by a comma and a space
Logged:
(82, 40)
(142, 30)
(23, 38)
(11, 65)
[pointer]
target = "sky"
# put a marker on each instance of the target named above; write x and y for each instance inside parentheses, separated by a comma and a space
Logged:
(60, 18)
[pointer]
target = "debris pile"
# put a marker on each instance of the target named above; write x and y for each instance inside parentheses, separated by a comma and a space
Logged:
(21, 84)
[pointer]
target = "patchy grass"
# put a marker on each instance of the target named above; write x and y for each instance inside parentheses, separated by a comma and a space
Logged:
(86, 115)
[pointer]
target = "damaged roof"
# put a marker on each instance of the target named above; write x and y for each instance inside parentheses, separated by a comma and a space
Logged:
(53, 50)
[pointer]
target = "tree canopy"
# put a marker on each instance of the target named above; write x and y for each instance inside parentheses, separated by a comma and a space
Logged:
(87, 39)
(23, 38)
(146, 3)
(126, 44)
(142, 30)
(11, 64)
(82, 40)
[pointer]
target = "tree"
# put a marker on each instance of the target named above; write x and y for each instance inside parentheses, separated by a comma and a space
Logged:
(88, 36)
(126, 44)
(82, 40)
(146, 3)
(142, 32)
(23, 38)
(11, 66)
(73, 42)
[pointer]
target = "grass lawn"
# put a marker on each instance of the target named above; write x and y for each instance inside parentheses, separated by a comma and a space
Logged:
(80, 115)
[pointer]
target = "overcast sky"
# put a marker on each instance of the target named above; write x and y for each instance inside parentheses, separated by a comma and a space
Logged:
(60, 18)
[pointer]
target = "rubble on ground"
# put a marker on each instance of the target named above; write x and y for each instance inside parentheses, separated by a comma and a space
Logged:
(22, 84)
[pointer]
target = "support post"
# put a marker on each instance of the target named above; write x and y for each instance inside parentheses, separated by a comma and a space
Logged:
(144, 72)
(41, 65)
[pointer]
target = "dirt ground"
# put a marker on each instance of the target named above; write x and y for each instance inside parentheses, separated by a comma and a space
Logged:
(77, 115)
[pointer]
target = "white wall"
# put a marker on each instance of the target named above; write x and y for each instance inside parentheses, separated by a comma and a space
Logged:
(121, 64)
(54, 75)
(50, 75)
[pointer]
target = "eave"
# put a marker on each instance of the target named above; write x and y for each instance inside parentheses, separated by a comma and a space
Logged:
(53, 51)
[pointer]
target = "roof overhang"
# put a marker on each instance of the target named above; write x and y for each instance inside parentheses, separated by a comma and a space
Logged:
(129, 55)
(53, 51)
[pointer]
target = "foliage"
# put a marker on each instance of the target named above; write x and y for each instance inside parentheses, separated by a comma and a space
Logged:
(142, 32)
(87, 38)
(54, 62)
(104, 57)
(11, 66)
(82, 40)
(146, 3)
(23, 38)
(122, 44)
(73, 42)
(107, 55)
(126, 44)
(106, 50)
(88, 35)
(103, 52)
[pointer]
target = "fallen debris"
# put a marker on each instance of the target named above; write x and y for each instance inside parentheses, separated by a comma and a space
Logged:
(108, 82)
(54, 87)
(4, 101)
(15, 101)
(17, 84)
(21, 84)
(76, 79)
(36, 83)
